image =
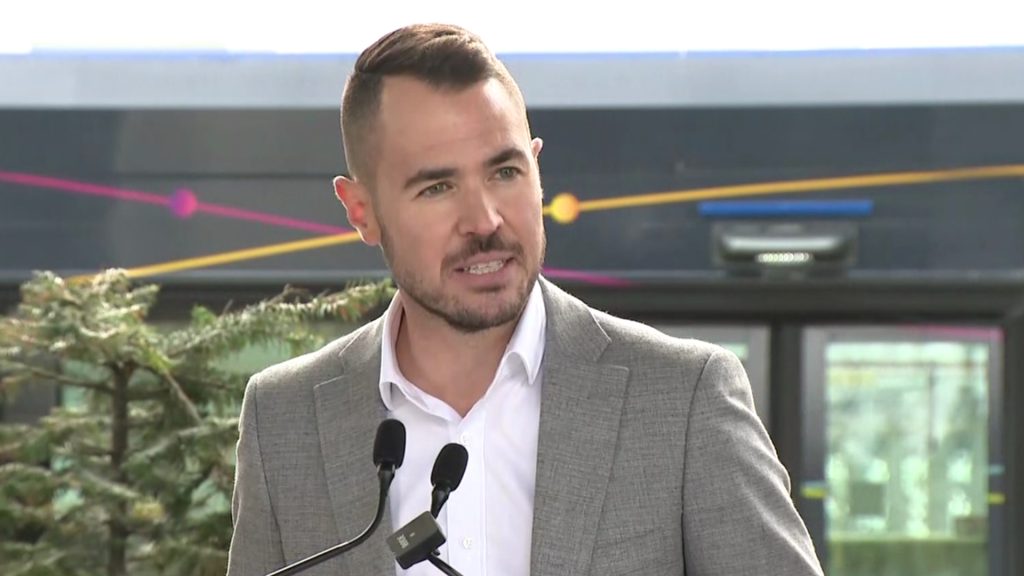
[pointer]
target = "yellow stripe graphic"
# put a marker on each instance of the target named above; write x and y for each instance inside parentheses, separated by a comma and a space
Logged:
(238, 255)
(620, 202)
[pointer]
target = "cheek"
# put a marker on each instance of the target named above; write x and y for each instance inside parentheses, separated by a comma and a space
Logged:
(528, 230)
(421, 240)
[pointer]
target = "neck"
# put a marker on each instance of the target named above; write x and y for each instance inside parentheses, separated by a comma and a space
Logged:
(453, 366)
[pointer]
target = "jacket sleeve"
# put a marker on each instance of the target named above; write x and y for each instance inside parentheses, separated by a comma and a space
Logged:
(256, 541)
(738, 516)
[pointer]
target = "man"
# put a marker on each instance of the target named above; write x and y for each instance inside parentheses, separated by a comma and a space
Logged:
(596, 445)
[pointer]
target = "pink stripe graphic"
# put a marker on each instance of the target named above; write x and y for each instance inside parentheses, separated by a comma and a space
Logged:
(75, 187)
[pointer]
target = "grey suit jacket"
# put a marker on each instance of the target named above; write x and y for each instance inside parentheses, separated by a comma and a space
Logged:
(651, 459)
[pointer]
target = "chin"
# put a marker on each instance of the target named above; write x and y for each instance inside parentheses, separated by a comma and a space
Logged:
(492, 315)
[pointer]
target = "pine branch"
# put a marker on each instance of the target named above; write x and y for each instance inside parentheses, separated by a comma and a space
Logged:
(15, 328)
(41, 560)
(56, 377)
(270, 316)
(217, 385)
(145, 395)
(183, 399)
(86, 449)
(170, 443)
(13, 438)
(200, 479)
(141, 423)
(15, 471)
(29, 515)
(110, 489)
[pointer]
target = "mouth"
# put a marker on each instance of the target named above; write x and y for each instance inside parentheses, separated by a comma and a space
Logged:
(485, 268)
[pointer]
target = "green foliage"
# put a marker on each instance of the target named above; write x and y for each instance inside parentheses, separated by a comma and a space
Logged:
(136, 477)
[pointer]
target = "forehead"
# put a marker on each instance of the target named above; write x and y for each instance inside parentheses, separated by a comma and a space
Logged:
(421, 125)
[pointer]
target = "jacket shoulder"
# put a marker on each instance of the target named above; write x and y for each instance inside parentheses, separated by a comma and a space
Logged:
(305, 371)
(640, 342)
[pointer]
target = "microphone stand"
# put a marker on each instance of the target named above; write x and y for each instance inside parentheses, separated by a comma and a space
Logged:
(412, 543)
(443, 566)
(386, 474)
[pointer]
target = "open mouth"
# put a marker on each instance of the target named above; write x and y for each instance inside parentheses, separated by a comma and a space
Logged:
(485, 267)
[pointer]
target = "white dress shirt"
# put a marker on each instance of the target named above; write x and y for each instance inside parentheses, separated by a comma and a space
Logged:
(488, 519)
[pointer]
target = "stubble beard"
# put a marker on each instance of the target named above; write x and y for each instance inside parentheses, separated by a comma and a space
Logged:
(448, 307)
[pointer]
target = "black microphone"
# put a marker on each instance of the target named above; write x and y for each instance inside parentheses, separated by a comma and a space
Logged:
(421, 537)
(388, 454)
(449, 468)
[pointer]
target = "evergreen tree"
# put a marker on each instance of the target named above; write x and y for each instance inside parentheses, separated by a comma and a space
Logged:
(135, 478)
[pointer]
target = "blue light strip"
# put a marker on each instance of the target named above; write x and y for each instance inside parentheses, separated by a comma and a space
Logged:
(787, 208)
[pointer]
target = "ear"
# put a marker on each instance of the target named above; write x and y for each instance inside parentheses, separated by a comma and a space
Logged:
(536, 144)
(359, 208)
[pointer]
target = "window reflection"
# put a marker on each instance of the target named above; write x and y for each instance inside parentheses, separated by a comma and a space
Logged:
(907, 457)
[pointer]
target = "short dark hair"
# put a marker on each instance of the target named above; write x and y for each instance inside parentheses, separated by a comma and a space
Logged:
(441, 55)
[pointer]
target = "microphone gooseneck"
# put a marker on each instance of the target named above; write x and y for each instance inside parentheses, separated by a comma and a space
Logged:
(388, 454)
(449, 468)
(421, 538)
(443, 566)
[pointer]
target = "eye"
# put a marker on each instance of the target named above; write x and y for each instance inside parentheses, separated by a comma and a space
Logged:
(508, 172)
(435, 189)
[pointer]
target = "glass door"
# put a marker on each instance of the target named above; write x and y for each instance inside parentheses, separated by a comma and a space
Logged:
(901, 455)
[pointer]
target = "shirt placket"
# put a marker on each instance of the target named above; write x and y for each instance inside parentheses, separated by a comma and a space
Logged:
(466, 515)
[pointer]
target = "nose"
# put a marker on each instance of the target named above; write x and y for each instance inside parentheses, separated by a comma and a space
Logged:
(478, 213)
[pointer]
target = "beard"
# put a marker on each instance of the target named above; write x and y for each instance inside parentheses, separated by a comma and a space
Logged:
(451, 308)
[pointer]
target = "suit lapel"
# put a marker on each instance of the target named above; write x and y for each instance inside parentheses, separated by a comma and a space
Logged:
(348, 411)
(581, 409)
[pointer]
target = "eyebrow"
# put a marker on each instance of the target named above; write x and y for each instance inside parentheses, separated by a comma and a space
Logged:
(431, 174)
(428, 175)
(510, 153)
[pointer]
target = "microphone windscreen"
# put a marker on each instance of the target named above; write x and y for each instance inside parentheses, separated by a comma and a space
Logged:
(449, 467)
(389, 446)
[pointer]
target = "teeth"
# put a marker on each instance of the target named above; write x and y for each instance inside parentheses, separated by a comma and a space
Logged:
(486, 267)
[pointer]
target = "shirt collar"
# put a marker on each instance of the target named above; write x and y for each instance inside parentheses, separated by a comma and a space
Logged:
(526, 344)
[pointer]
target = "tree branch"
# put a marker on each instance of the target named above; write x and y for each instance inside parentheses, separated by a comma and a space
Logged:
(287, 293)
(92, 450)
(179, 393)
(200, 479)
(147, 395)
(212, 384)
(137, 423)
(58, 378)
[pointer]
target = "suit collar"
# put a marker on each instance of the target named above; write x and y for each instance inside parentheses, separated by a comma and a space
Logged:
(574, 328)
(348, 411)
(581, 408)
(526, 346)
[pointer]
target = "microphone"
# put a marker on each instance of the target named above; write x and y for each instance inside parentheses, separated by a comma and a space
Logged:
(421, 537)
(388, 454)
(449, 468)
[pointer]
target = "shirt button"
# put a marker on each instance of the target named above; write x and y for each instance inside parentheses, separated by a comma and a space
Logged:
(467, 543)
(465, 438)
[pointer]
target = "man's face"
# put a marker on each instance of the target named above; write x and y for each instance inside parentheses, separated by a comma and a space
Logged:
(457, 201)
